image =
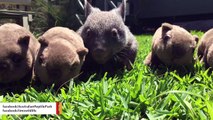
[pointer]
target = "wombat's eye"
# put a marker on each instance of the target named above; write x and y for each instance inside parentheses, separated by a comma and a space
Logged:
(114, 32)
(16, 58)
(166, 37)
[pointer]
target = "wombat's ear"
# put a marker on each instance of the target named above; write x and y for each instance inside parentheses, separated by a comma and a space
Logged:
(42, 41)
(166, 27)
(121, 10)
(82, 52)
(24, 40)
(196, 38)
(87, 8)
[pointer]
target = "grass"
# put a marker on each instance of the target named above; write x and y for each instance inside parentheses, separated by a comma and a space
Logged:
(139, 94)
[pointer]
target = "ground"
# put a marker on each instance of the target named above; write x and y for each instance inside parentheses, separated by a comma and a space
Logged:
(141, 93)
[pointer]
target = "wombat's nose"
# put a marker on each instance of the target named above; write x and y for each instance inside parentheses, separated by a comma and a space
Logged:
(55, 73)
(99, 51)
(100, 55)
(3, 66)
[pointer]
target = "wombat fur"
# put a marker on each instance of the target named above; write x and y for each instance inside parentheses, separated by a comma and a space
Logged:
(205, 49)
(111, 45)
(18, 49)
(172, 45)
(60, 56)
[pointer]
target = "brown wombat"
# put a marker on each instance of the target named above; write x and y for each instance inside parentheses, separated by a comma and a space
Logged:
(172, 45)
(60, 56)
(205, 49)
(18, 49)
(111, 44)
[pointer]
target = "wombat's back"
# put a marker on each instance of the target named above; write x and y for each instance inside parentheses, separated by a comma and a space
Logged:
(64, 33)
(16, 31)
(207, 35)
(205, 42)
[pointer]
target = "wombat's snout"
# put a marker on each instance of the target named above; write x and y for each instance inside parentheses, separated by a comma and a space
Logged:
(100, 55)
(55, 73)
(4, 66)
(99, 51)
(178, 51)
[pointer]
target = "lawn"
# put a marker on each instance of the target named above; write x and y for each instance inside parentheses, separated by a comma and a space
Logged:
(141, 93)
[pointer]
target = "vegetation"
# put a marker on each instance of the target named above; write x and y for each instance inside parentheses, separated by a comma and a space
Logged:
(55, 13)
(40, 17)
(141, 93)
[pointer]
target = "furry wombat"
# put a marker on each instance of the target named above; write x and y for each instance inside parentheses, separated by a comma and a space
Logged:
(60, 56)
(205, 49)
(172, 45)
(18, 49)
(111, 45)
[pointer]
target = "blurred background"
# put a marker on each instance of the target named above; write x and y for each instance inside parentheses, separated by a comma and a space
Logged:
(143, 16)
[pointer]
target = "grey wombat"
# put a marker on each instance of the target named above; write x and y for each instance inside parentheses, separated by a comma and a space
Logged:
(172, 45)
(60, 56)
(111, 45)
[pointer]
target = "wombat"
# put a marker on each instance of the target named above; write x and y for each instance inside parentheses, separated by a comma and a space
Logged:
(60, 56)
(172, 45)
(205, 48)
(18, 49)
(111, 45)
